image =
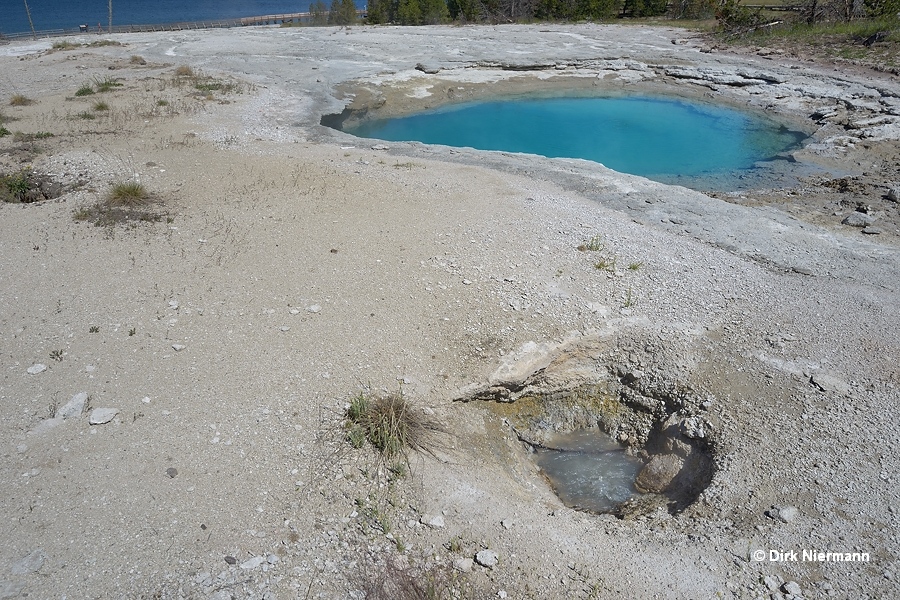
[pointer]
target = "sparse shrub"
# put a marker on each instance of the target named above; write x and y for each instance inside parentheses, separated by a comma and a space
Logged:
(162, 102)
(106, 84)
(101, 106)
(20, 100)
(138, 60)
(14, 187)
(595, 244)
(391, 424)
(635, 266)
(64, 45)
(4, 131)
(86, 89)
(86, 116)
(129, 193)
(184, 71)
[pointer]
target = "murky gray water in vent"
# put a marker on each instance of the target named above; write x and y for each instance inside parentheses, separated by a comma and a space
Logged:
(590, 471)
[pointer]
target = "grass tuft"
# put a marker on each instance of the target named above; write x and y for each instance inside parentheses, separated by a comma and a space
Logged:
(391, 424)
(86, 89)
(184, 71)
(595, 244)
(101, 106)
(107, 84)
(138, 60)
(20, 100)
(128, 193)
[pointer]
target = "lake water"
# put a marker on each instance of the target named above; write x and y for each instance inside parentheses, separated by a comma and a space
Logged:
(592, 472)
(659, 138)
(69, 14)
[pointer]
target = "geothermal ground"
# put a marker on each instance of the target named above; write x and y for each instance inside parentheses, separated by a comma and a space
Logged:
(280, 268)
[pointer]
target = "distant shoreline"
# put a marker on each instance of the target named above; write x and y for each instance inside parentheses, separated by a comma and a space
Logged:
(253, 21)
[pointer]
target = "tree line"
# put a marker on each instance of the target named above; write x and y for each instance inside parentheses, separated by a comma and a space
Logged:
(729, 13)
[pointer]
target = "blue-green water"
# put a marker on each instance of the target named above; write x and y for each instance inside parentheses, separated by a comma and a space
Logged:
(659, 138)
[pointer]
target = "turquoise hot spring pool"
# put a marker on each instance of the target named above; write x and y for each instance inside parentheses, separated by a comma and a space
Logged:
(659, 138)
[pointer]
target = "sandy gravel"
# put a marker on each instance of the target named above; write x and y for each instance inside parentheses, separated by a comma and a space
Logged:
(292, 266)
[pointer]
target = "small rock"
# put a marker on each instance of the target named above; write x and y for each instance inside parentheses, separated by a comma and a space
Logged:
(254, 562)
(231, 560)
(830, 383)
(178, 347)
(506, 524)
(73, 407)
(99, 416)
(429, 69)
(173, 304)
(871, 231)
(894, 194)
(433, 521)
(487, 558)
(379, 147)
(659, 473)
(792, 588)
(315, 308)
(858, 219)
(788, 514)
(693, 428)
(772, 582)
(172, 472)
(273, 559)
(501, 593)
(36, 368)
(30, 564)
(11, 589)
(463, 565)
(285, 329)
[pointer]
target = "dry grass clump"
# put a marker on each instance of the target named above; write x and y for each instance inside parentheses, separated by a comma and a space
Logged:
(20, 100)
(393, 582)
(128, 193)
(184, 71)
(125, 203)
(391, 424)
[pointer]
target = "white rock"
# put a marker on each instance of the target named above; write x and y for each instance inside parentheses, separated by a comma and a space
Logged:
(467, 282)
(99, 416)
(314, 308)
(792, 588)
(178, 347)
(173, 304)
(788, 514)
(253, 562)
(73, 407)
(30, 564)
(463, 565)
(487, 558)
(285, 329)
(433, 521)
(830, 383)
(36, 368)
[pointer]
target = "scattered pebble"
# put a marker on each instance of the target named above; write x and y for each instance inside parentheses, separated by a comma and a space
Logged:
(433, 521)
(254, 562)
(74, 407)
(29, 564)
(487, 558)
(172, 472)
(178, 347)
(314, 308)
(231, 560)
(100, 416)
(463, 565)
(36, 368)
